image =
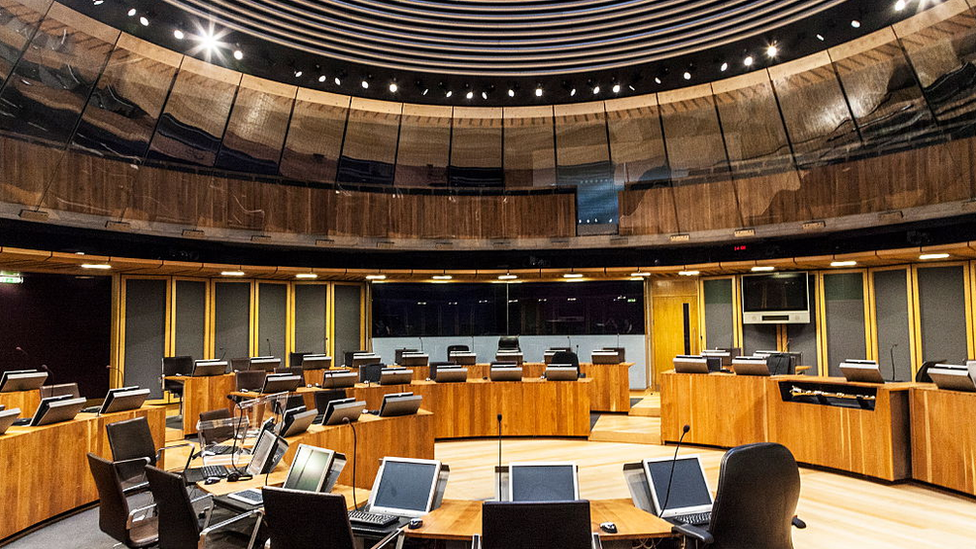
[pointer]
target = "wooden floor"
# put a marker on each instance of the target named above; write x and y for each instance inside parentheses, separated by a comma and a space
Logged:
(841, 511)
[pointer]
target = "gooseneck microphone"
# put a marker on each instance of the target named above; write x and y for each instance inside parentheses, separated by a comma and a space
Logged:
(499, 473)
(891, 352)
(223, 352)
(355, 442)
(674, 461)
(268, 339)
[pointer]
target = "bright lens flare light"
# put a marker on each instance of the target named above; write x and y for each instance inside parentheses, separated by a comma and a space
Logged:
(210, 42)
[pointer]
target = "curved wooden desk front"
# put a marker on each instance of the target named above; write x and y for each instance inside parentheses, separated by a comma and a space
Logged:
(944, 437)
(531, 407)
(27, 401)
(44, 470)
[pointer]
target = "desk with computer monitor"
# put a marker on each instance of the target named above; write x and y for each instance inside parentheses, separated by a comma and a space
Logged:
(20, 389)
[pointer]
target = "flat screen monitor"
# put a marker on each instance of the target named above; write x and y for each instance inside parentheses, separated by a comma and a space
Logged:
(309, 469)
(21, 380)
(952, 378)
(277, 383)
(268, 451)
(405, 486)
(298, 422)
(603, 356)
(539, 481)
(177, 365)
(690, 364)
(750, 366)
(7, 418)
(400, 404)
(316, 362)
(561, 372)
(726, 356)
(268, 364)
(120, 400)
(463, 358)
(689, 490)
(509, 356)
(414, 359)
(866, 371)
(337, 411)
(448, 374)
(395, 376)
(775, 298)
(339, 379)
(505, 373)
(209, 368)
(362, 359)
(57, 409)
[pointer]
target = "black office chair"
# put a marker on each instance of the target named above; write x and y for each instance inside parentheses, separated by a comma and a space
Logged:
(174, 365)
(134, 528)
(758, 487)
(566, 357)
(536, 525)
(69, 389)
(323, 398)
(370, 373)
(459, 348)
(296, 359)
(132, 449)
(288, 513)
(508, 343)
(398, 355)
(249, 380)
(179, 526)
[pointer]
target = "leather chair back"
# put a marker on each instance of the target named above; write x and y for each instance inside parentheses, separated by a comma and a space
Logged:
(370, 372)
(566, 357)
(536, 525)
(322, 398)
(131, 439)
(452, 348)
(240, 364)
(178, 524)
(288, 511)
(113, 509)
(251, 380)
(60, 389)
(173, 365)
(508, 343)
(758, 488)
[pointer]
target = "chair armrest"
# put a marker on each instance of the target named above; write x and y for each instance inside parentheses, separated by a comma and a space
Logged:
(138, 514)
(799, 524)
(159, 451)
(596, 544)
(695, 532)
(133, 460)
(476, 541)
(389, 537)
(210, 529)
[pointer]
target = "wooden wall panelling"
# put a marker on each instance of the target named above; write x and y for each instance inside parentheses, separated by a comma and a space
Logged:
(171, 196)
(943, 441)
(314, 141)
(692, 135)
(321, 210)
(91, 185)
(722, 410)
(647, 211)
(706, 206)
(244, 205)
(26, 170)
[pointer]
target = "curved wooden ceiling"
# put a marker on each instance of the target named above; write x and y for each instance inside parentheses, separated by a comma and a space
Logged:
(504, 37)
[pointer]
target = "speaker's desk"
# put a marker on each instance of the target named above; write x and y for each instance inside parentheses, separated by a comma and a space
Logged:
(531, 407)
(459, 520)
(943, 437)
(27, 401)
(202, 394)
(609, 390)
(722, 409)
(44, 470)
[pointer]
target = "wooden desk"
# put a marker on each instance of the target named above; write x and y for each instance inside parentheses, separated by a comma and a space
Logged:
(867, 442)
(722, 409)
(943, 437)
(202, 394)
(27, 401)
(532, 407)
(44, 470)
(459, 520)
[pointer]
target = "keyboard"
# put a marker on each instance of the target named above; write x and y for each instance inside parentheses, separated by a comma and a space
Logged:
(198, 474)
(250, 497)
(220, 449)
(372, 520)
(695, 519)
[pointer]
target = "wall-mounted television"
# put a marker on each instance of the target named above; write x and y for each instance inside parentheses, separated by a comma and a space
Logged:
(776, 298)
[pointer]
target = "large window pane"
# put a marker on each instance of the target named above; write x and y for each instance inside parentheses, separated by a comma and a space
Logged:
(369, 149)
(476, 148)
(256, 130)
(425, 144)
(636, 141)
(530, 153)
(315, 136)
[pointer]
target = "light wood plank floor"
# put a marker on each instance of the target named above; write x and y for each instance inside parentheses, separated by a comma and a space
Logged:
(840, 511)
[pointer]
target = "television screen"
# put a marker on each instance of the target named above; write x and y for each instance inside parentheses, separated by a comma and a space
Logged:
(774, 292)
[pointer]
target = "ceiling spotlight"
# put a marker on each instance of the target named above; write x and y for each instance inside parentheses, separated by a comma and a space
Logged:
(689, 273)
(843, 263)
(209, 41)
(763, 268)
(179, 34)
(538, 92)
(572, 92)
(449, 93)
(321, 78)
(298, 74)
(337, 81)
(131, 12)
(375, 277)
(724, 67)
(856, 24)
(442, 277)
(469, 95)
(657, 80)
(238, 54)
(573, 275)
(616, 88)
(820, 37)
(365, 84)
(508, 276)
(771, 51)
(306, 276)
(511, 92)
(484, 95)
(899, 5)
(393, 87)
(98, 2)
(640, 274)
(96, 266)
(231, 273)
(686, 75)
(596, 89)
(747, 61)
(144, 21)
(425, 91)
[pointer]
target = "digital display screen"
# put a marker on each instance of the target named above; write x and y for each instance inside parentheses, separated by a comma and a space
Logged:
(543, 482)
(405, 485)
(688, 487)
(308, 469)
(774, 292)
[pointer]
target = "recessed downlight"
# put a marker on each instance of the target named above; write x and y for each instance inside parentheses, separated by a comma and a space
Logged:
(231, 273)
(96, 266)
(763, 268)
(927, 257)
(306, 276)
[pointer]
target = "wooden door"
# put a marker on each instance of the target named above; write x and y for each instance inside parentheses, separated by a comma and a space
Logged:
(674, 323)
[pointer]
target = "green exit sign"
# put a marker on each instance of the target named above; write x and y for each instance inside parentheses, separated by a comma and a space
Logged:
(7, 277)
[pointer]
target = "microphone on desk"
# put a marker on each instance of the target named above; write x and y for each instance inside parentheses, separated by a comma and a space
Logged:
(499, 457)
(355, 442)
(223, 352)
(421, 343)
(268, 339)
(786, 347)
(891, 352)
(674, 461)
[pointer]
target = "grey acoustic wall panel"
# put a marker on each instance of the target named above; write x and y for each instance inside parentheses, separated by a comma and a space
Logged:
(311, 302)
(891, 312)
(232, 319)
(348, 318)
(802, 338)
(191, 310)
(272, 316)
(844, 307)
(718, 312)
(145, 333)
(942, 310)
(758, 337)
